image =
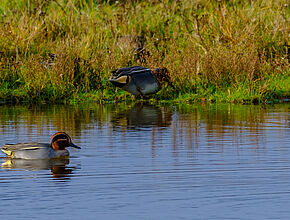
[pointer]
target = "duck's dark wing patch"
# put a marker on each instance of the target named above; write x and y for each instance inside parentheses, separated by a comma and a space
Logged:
(143, 80)
(130, 71)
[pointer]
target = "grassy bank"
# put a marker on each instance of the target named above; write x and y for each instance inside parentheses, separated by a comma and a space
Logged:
(225, 51)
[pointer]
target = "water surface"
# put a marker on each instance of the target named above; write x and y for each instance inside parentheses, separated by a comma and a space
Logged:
(149, 162)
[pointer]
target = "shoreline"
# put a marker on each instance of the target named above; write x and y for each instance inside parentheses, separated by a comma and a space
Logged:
(215, 51)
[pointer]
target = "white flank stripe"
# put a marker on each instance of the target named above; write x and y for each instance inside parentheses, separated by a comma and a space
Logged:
(138, 71)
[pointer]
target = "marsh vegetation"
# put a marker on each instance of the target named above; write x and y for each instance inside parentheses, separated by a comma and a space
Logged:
(224, 51)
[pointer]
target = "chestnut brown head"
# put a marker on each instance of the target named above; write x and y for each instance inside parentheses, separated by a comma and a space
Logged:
(61, 140)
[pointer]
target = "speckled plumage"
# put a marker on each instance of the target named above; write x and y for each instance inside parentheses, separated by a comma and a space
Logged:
(56, 148)
(139, 80)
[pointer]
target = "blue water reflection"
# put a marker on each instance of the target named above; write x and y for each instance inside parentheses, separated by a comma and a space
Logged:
(150, 162)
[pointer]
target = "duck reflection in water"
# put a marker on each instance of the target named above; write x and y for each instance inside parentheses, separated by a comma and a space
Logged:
(57, 166)
(143, 116)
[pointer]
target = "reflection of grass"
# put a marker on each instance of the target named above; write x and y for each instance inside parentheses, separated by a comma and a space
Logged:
(229, 51)
(216, 118)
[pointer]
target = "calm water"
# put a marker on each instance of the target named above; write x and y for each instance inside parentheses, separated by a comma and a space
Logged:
(150, 162)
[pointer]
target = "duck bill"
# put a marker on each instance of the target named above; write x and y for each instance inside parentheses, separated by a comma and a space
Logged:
(74, 146)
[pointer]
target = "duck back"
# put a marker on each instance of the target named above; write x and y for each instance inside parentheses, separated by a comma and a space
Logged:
(142, 83)
(32, 151)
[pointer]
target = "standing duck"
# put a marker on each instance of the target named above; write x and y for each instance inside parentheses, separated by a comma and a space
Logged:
(140, 80)
(57, 148)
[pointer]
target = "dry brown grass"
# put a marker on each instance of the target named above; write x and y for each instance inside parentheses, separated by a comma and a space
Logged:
(211, 43)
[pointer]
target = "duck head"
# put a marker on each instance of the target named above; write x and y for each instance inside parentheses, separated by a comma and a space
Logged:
(162, 75)
(61, 140)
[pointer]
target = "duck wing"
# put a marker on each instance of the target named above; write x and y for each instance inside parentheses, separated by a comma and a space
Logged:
(24, 146)
(27, 150)
(137, 80)
(130, 71)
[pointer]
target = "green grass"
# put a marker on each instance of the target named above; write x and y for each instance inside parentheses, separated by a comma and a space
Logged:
(216, 51)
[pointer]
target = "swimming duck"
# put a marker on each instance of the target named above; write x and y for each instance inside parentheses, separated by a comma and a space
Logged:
(140, 80)
(57, 148)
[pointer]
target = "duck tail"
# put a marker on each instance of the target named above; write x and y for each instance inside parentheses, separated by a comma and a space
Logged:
(8, 152)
